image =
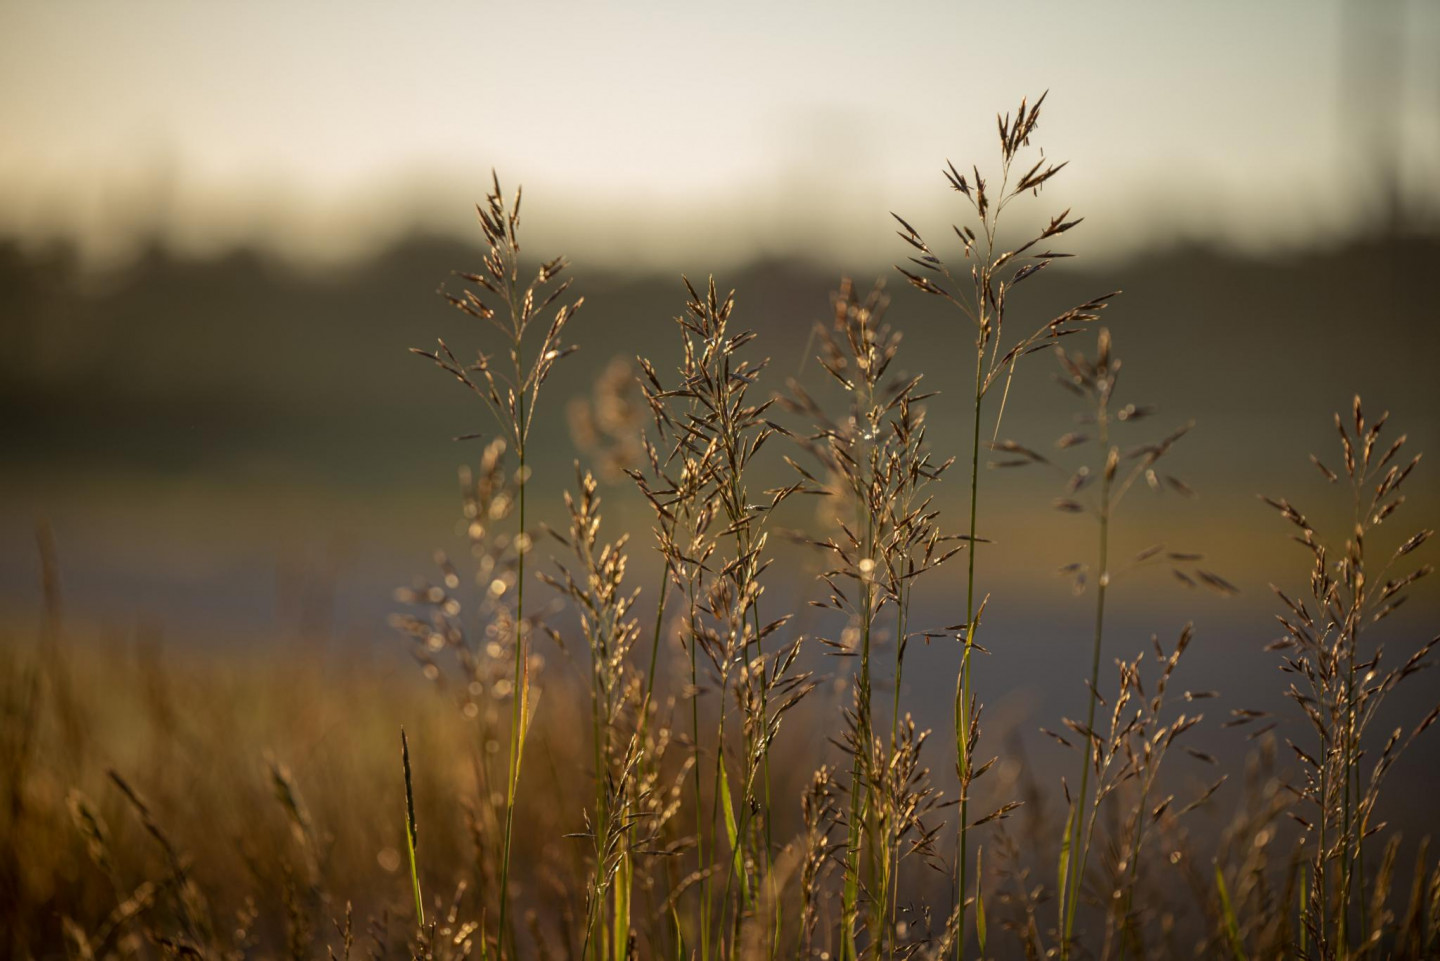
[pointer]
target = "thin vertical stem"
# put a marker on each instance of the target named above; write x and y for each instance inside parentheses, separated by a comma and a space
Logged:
(892, 838)
(1079, 852)
(597, 736)
(859, 779)
(699, 805)
(655, 643)
(1347, 647)
(962, 688)
(902, 608)
(1133, 872)
(1353, 829)
(516, 720)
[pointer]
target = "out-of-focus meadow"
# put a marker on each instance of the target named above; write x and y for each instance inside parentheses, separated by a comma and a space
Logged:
(221, 460)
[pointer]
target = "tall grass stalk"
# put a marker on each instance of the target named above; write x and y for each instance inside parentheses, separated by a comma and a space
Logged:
(1094, 381)
(597, 590)
(511, 397)
(714, 432)
(876, 464)
(981, 297)
(683, 515)
(1340, 682)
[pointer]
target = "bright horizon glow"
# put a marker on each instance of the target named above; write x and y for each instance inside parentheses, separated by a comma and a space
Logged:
(649, 133)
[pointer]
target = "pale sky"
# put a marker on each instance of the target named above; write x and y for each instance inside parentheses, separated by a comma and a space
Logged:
(664, 131)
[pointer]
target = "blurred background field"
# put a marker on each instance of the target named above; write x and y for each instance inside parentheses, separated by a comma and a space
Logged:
(222, 228)
(233, 447)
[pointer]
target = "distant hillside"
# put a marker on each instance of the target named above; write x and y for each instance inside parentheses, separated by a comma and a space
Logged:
(173, 363)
